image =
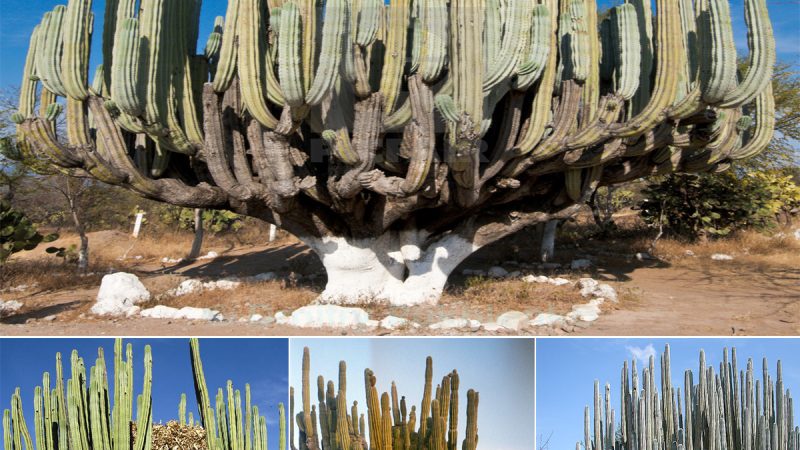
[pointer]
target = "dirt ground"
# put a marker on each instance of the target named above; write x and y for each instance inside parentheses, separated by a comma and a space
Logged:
(758, 293)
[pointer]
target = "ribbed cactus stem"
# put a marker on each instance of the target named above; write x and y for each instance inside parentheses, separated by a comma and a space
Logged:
(333, 30)
(718, 60)
(532, 64)
(252, 65)
(289, 54)
(125, 71)
(74, 58)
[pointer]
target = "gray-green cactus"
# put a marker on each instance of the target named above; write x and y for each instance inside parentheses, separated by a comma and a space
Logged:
(718, 409)
(523, 92)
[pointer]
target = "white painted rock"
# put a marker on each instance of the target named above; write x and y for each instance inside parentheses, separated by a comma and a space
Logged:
(535, 279)
(450, 324)
(579, 264)
(689, 253)
(606, 291)
(9, 307)
(187, 312)
(587, 286)
(193, 285)
(547, 319)
(644, 256)
(314, 316)
(586, 313)
(474, 325)
(209, 255)
(797, 234)
(167, 260)
(721, 257)
(188, 287)
(256, 318)
(513, 320)
(493, 327)
(498, 272)
(119, 293)
(393, 322)
(558, 281)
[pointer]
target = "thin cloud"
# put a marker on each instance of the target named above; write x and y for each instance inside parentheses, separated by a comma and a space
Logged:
(642, 354)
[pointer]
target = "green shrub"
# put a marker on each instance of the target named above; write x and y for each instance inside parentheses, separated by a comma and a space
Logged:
(714, 205)
(17, 233)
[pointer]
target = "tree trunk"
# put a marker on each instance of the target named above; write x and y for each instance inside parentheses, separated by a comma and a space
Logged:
(83, 251)
(547, 249)
(197, 244)
(393, 268)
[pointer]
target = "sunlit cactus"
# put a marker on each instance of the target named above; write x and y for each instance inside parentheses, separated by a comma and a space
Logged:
(389, 423)
(728, 408)
(396, 139)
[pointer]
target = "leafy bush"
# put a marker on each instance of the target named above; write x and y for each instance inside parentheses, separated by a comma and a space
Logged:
(213, 221)
(17, 233)
(713, 205)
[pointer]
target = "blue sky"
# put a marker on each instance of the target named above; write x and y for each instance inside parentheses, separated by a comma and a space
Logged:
(501, 370)
(17, 19)
(567, 368)
(260, 362)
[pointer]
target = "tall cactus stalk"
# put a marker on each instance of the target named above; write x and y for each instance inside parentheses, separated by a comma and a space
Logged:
(718, 409)
(455, 123)
(389, 423)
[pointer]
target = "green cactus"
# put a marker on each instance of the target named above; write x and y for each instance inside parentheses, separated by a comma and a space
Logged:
(721, 410)
(17, 233)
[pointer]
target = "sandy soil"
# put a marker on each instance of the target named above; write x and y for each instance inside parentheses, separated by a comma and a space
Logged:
(696, 297)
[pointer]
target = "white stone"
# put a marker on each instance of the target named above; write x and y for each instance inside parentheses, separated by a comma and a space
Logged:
(689, 253)
(587, 286)
(498, 272)
(721, 257)
(9, 307)
(192, 286)
(592, 288)
(644, 256)
(188, 287)
(209, 255)
(547, 319)
(167, 260)
(579, 264)
(493, 327)
(256, 318)
(535, 279)
(586, 313)
(513, 320)
(558, 281)
(474, 325)
(187, 312)
(606, 291)
(313, 316)
(119, 293)
(797, 234)
(450, 324)
(393, 322)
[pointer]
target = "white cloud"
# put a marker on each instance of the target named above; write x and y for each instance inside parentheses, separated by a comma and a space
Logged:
(642, 354)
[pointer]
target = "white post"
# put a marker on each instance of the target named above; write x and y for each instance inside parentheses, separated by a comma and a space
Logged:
(137, 227)
(273, 230)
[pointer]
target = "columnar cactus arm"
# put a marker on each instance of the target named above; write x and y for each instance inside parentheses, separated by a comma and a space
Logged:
(74, 59)
(644, 15)
(764, 126)
(125, 71)
(591, 88)
(718, 59)
(27, 91)
(395, 55)
(668, 56)
(761, 42)
(505, 63)
(226, 63)
(48, 54)
(289, 55)
(433, 54)
(333, 31)
(532, 63)
(251, 61)
(471, 440)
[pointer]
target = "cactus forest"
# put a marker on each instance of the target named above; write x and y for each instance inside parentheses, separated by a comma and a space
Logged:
(725, 409)
(389, 423)
(80, 413)
(396, 139)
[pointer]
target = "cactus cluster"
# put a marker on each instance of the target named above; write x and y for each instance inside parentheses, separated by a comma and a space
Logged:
(388, 423)
(80, 412)
(358, 118)
(728, 408)
(229, 425)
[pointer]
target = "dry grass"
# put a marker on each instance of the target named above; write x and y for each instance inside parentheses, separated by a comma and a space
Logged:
(515, 294)
(756, 250)
(43, 275)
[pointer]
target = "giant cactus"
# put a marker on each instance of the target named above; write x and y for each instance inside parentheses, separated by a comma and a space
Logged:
(396, 139)
(389, 424)
(728, 408)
